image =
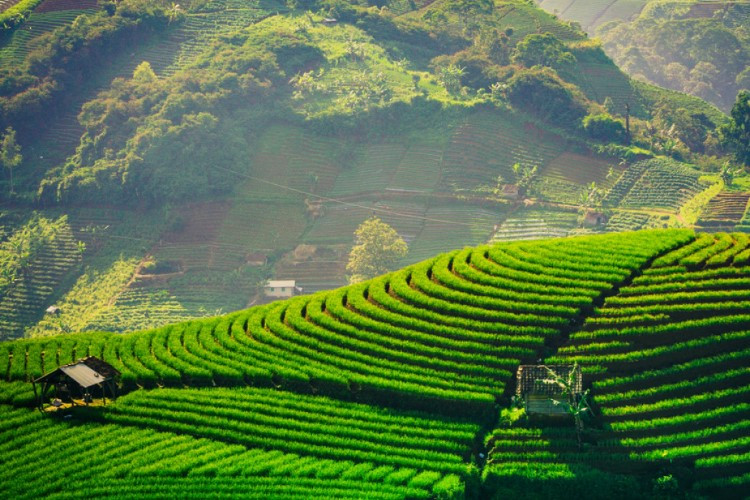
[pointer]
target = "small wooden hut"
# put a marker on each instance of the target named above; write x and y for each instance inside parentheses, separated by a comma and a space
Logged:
(77, 381)
(533, 385)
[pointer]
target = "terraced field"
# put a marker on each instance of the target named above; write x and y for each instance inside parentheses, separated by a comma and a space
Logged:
(593, 13)
(725, 209)
(633, 221)
(221, 458)
(668, 360)
(485, 147)
(387, 387)
(15, 48)
(534, 223)
(24, 301)
(657, 183)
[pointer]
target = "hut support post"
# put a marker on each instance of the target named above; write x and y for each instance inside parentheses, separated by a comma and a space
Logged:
(36, 396)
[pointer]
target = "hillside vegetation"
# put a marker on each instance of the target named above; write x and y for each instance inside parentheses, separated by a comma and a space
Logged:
(701, 48)
(182, 141)
(392, 388)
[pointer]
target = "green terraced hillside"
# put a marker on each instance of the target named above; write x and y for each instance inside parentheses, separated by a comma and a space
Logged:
(294, 130)
(392, 388)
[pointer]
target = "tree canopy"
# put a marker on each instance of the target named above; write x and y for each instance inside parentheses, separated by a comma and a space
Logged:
(377, 249)
(10, 153)
(542, 50)
(736, 134)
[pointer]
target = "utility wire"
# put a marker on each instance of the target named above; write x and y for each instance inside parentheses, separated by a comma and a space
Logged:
(342, 202)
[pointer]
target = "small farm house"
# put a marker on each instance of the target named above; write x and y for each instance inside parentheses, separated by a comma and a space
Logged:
(538, 388)
(592, 219)
(54, 310)
(281, 288)
(82, 380)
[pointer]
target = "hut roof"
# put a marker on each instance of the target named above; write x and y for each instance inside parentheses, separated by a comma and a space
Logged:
(85, 372)
(281, 284)
(528, 377)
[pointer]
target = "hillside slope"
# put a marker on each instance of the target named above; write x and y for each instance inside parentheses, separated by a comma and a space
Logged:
(188, 143)
(390, 387)
(701, 48)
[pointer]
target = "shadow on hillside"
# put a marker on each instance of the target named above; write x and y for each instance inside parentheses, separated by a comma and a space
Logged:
(544, 460)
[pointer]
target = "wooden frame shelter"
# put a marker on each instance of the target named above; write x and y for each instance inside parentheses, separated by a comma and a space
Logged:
(540, 395)
(79, 377)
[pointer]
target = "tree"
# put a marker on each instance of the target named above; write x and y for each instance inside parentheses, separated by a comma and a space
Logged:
(542, 92)
(542, 50)
(736, 134)
(604, 127)
(450, 76)
(577, 405)
(525, 176)
(592, 197)
(728, 173)
(377, 248)
(10, 153)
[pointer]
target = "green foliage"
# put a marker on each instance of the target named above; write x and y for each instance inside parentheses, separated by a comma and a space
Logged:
(10, 153)
(450, 77)
(157, 140)
(540, 91)
(542, 50)
(18, 252)
(605, 128)
(701, 55)
(378, 247)
(736, 134)
(510, 417)
(562, 481)
(63, 58)
(17, 14)
(443, 335)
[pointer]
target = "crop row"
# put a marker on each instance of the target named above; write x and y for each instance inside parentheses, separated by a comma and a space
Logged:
(249, 417)
(437, 331)
(669, 361)
(144, 460)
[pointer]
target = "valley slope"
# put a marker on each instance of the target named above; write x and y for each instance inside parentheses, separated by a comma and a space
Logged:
(251, 146)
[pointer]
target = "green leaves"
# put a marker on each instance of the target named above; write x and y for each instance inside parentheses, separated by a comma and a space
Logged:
(377, 249)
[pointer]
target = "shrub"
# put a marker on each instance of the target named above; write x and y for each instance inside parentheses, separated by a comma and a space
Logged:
(542, 92)
(604, 127)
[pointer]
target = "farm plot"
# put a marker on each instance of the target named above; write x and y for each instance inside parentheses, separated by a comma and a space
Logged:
(744, 224)
(251, 227)
(338, 223)
(14, 50)
(725, 209)
(131, 455)
(213, 19)
(669, 361)
(315, 274)
(419, 170)
(488, 145)
(583, 170)
(533, 223)
(656, 183)
(592, 14)
(447, 224)
(23, 300)
(372, 171)
(290, 157)
(445, 334)
(633, 221)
